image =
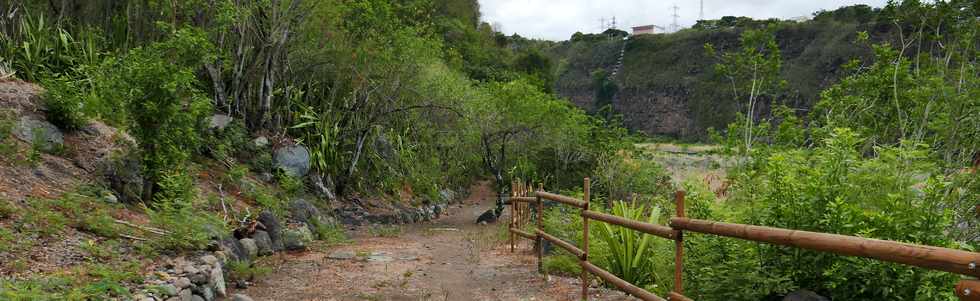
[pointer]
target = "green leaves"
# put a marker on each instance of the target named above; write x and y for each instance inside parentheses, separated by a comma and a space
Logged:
(630, 255)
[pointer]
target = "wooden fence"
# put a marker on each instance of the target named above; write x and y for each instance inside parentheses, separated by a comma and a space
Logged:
(522, 197)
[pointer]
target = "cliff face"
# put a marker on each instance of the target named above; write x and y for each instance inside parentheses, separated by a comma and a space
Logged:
(668, 86)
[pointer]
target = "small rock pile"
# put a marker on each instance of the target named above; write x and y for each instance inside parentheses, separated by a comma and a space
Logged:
(180, 279)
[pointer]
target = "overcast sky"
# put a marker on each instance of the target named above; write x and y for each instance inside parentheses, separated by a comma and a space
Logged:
(559, 19)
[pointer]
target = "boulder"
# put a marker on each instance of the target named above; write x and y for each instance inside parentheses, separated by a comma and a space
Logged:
(263, 244)
(804, 295)
(297, 238)
(217, 281)
(185, 295)
(182, 282)
(219, 122)
(45, 135)
(124, 175)
(273, 228)
(293, 160)
(302, 211)
(250, 247)
(233, 248)
(169, 290)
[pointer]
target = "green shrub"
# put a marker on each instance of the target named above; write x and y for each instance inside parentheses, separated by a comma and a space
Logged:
(291, 185)
(7, 209)
(7, 122)
(246, 270)
(563, 265)
(63, 103)
(158, 86)
(332, 233)
(176, 210)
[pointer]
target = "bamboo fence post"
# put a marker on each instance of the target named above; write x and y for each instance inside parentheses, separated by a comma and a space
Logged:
(585, 242)
(679, 246)
(539, 242)
(513, 213)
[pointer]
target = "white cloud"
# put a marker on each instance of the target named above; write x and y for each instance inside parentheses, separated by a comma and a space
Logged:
(559, 19)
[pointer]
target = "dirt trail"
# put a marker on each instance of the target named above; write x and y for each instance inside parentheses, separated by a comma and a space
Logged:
(448, 259)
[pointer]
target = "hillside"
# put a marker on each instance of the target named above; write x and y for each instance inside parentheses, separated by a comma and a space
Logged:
(668, 85)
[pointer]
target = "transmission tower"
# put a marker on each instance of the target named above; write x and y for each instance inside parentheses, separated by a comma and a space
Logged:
(701, 14)
(674, 27)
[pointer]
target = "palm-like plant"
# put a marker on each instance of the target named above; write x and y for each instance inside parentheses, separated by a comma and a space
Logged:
(630, 252)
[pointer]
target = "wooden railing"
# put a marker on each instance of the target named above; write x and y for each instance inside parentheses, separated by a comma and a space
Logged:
(935, 258)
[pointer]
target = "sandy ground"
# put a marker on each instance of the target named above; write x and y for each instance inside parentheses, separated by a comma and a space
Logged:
(448, 259)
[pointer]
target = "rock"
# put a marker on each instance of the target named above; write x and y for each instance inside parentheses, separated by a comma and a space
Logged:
(123, 173)
(185, 294)
(199, 279)
(233, 248)
(273, 228)
(380, 258)
(302, 211)
(47, 136)
(217, 280)
(263, 244)
(197, 298)
(205, 292)
(297, 238)
(437, 210)
(173, 299)
(219, 122)
(293, 160)
(190, 269)
(251, 249)
(341, 255)
(260, 142)
(804, 295)
(182, 283)
(169, 290)
(210, 260)
(240, 297)
(384, 148)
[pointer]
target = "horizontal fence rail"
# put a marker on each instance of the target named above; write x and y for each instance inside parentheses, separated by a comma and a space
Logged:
(935, 258)
(620, 283)
(562, 199)
(943, 259)
(521, 199)
(658, 230)
(561, 243)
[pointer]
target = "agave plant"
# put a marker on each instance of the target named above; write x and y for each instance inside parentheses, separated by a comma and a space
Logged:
(630, 252)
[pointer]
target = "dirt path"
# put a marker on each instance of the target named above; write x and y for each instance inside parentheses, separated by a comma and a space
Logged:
(448, 259)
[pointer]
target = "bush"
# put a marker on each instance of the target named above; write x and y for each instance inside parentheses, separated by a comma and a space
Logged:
(63, 104)
(175, 210)
(563, 264)
(246, 270)
(159, 88)
(329, 232)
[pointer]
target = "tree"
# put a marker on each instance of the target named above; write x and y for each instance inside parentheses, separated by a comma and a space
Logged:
(752, 71)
